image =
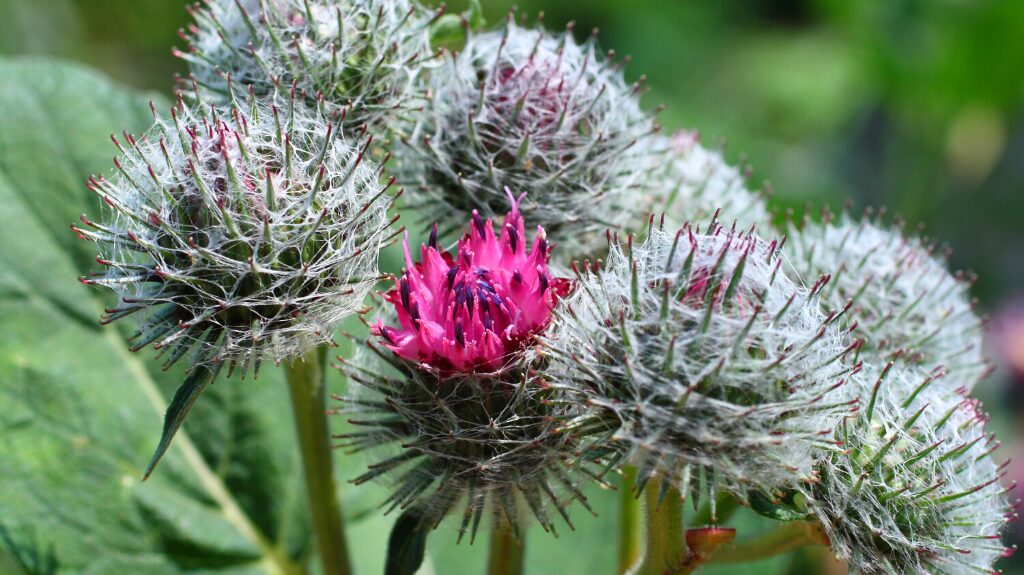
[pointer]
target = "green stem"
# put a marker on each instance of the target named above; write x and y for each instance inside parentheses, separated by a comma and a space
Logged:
(629, 520)
(784, 539)
(665, 552)
(506, 552)
(306, 382)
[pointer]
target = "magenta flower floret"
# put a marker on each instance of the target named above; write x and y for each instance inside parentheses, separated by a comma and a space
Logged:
(474, 311)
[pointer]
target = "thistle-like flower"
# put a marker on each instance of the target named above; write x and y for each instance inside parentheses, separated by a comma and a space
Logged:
(537, 112)
(473, 311)
(907, 302)
(363, 55)
(696, 182)
(700, 357)
(238, 234)
(912, 487)
(453, 388)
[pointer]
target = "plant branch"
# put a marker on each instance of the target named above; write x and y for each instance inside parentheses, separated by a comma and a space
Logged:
(792, 535)
(702, 543)
(306, 382)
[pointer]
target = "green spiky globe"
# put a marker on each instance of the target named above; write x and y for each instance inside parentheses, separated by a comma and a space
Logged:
(540, 114)
(360, 55)
(906, 300)
(698, 356)
(235, 235)
(490, 444)
(239, 233)
(912, 487)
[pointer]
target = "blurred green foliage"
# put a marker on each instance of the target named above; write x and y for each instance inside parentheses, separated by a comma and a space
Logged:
(917, 105)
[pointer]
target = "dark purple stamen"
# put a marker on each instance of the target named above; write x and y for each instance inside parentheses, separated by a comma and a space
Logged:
(542, 247)
(459, 336)
(403, 290)
(460, 298)
(414, 313)
(488, 322)
(452, 272)
(433, 237)
(478, 223)
(385, 333)
(513, 238)
(543, 280)
(517, 277)
(484, 285)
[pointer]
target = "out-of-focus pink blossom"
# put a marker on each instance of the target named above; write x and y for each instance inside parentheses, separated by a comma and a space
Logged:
(1008, 336)
(473, 311)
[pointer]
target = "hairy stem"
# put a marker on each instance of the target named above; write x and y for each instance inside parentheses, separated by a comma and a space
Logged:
(665, 552)
(506, 551)
(629, 520)
(783, 539)
(306, 382)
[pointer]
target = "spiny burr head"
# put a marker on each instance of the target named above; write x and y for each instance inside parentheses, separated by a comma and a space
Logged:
(361, 55)
(541, 114)
(698, 355)
(239, 233)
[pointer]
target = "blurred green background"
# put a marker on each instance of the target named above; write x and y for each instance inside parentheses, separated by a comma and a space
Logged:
(916, 105)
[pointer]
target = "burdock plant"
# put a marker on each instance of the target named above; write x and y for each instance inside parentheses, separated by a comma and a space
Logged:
(824, 382)
(451, 403)
(361, 55)
(541, 114)
(704, 366)
(238, 235)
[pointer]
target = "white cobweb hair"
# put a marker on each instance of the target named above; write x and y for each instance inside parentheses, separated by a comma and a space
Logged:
(702, 359)
(913, 487)
(539, 113)
(907, 301)
(239, 233)
(363, 55)
(696, 182)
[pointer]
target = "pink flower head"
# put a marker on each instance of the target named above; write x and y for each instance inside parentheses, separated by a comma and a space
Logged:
(470, 313)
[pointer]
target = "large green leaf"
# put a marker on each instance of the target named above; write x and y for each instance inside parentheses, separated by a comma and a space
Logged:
(79, 414)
